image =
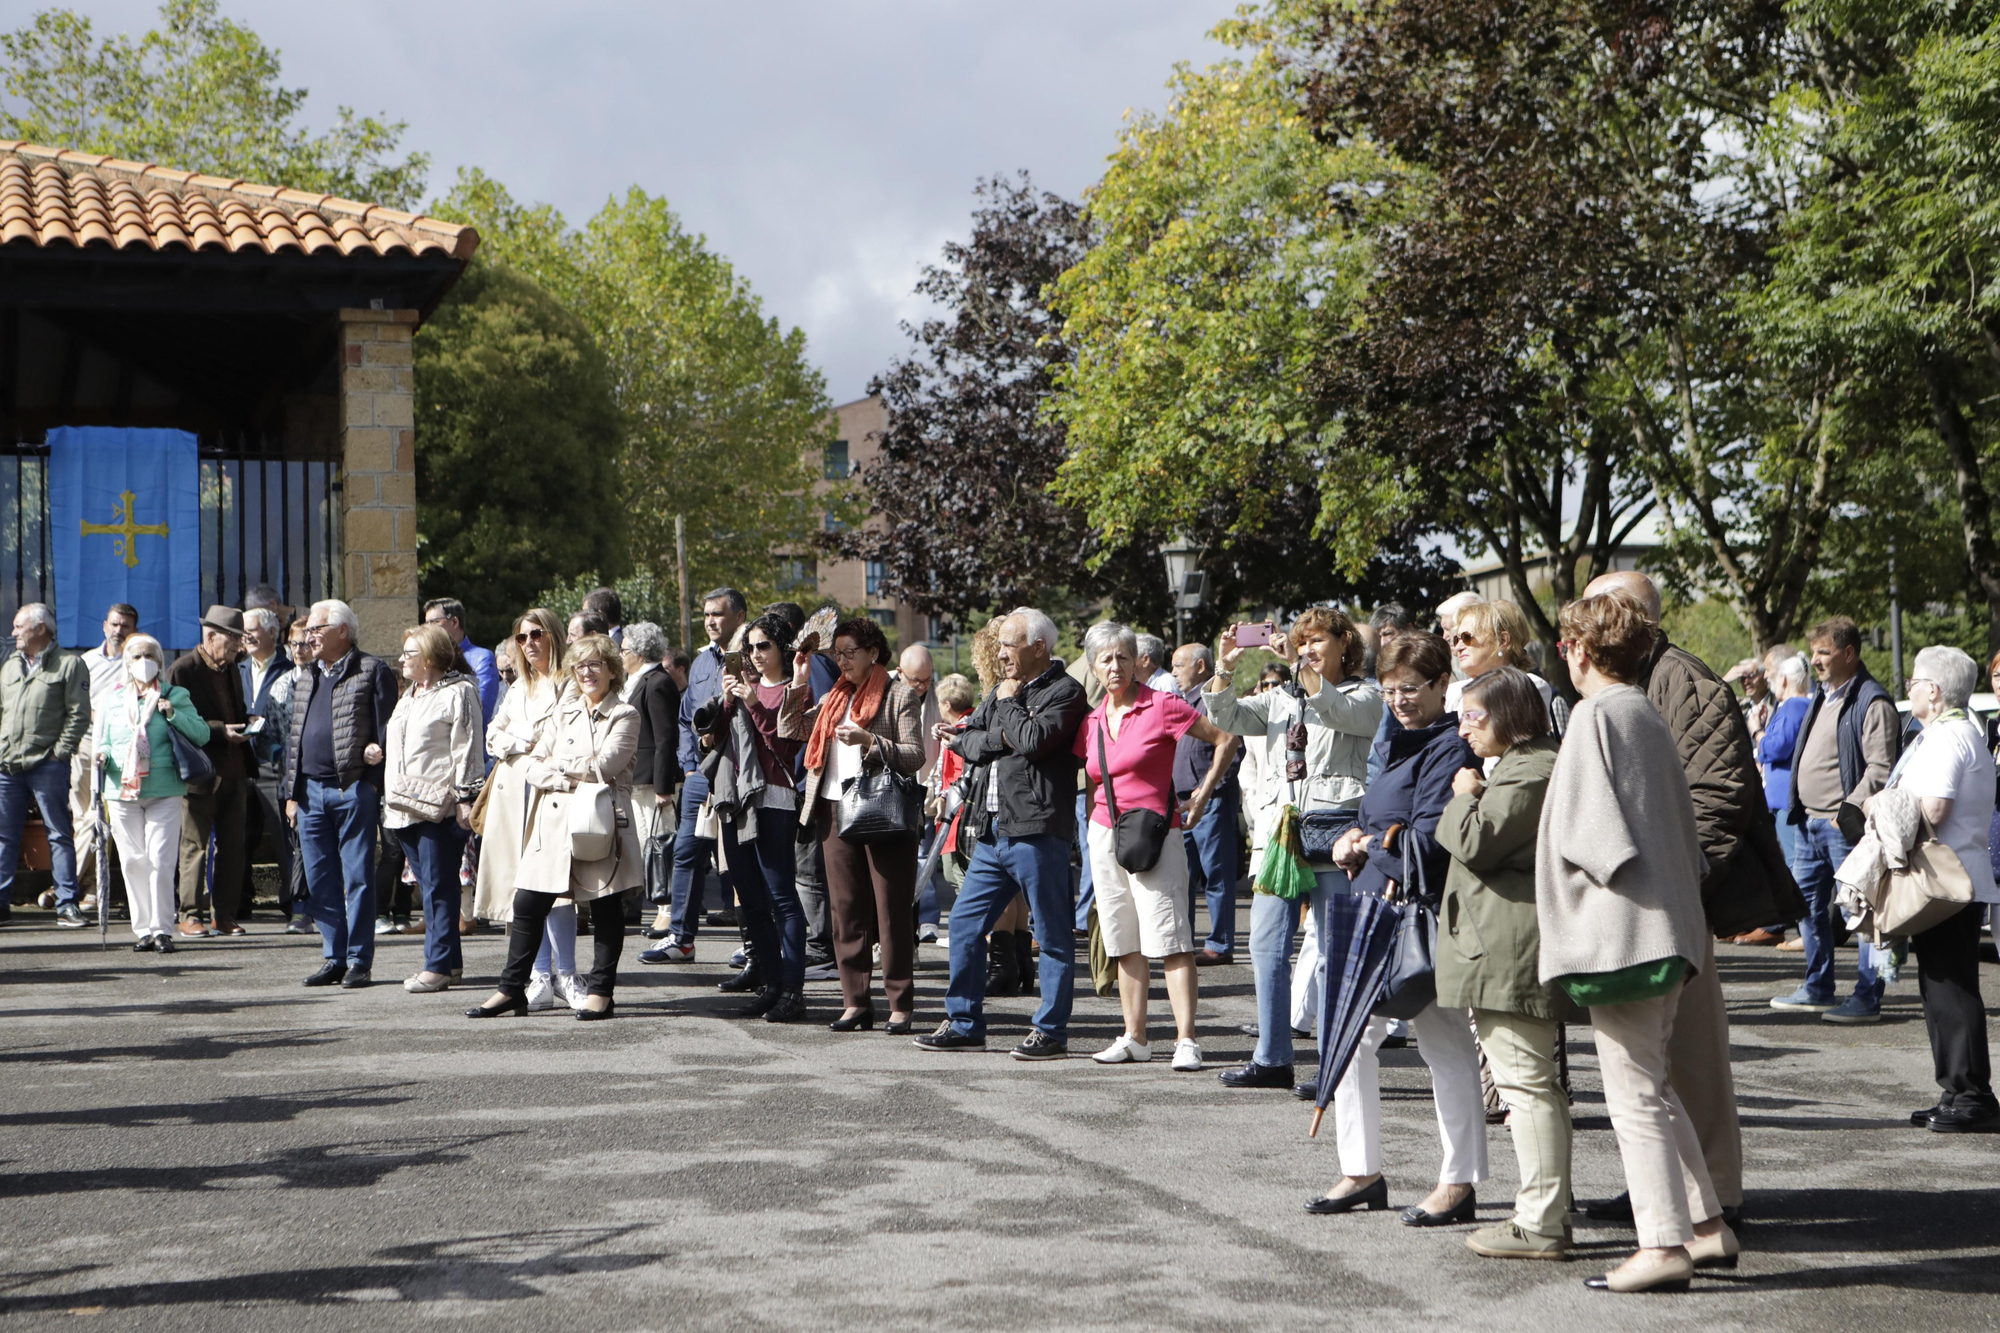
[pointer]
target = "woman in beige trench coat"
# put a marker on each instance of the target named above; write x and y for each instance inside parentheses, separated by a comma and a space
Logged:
(593, 737)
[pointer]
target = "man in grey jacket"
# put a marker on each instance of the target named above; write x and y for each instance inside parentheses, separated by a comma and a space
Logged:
(44, 716)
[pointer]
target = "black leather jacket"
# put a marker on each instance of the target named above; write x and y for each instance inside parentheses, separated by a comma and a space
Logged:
(1025, 747)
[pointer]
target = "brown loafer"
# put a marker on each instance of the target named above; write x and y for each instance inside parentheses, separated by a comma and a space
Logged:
(194, 930)
(230, 928)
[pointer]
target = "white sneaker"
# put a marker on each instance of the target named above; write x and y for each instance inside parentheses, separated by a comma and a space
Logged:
(927, 935)
(740, 958)
(677, 952)
(568, 989)
(1187, 1054)
(541, 992)
(1124, 1051)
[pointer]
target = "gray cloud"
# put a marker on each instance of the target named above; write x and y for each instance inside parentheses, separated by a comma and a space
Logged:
(827, 148)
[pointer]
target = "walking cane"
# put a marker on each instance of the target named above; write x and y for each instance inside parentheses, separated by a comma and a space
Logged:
(97, 834)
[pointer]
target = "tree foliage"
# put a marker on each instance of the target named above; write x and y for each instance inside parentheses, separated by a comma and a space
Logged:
(724, 418)
(198, 93)
(517, 442)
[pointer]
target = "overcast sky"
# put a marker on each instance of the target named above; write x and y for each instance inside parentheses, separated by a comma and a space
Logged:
(827, 147)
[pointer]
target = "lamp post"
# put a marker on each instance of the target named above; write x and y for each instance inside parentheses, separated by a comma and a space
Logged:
(1180, 555)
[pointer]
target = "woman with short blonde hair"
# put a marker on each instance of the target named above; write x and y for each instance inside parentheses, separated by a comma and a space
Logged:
(1496, 634)
(435, 765)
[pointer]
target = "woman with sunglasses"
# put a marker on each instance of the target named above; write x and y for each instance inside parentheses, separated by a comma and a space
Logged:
(1398, 818)
(593, 738)
(757, 819)
(511, 737)
(1496, 634)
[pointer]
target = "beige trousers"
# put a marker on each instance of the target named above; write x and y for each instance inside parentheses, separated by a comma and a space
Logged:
(1698, 1063)
(1521, 1051)
(1664, 1171)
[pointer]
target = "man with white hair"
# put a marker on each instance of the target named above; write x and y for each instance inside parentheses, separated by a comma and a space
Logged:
(44, 717)
(1020, 812)
(1448, 609)
(1153, 666)
(333, 785)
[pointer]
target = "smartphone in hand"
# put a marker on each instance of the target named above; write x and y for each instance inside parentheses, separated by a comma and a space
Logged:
(1253, 636)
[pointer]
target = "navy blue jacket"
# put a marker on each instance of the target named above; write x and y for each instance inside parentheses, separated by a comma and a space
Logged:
(1418, 765)
(704, 683)
(1865, 694)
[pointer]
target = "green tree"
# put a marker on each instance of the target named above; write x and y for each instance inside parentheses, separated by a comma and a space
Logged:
(199, 93)
(725, 420)
(517, 445)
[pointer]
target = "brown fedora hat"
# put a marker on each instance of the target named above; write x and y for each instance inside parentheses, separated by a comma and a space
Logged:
(225, 618)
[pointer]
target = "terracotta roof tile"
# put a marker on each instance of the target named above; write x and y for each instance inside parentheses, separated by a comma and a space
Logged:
(51, 196)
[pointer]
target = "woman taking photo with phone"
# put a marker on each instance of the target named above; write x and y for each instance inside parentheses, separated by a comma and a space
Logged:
(864, 724)
(589, 743)
(435, 765)
(1339, 711)
(511, 737)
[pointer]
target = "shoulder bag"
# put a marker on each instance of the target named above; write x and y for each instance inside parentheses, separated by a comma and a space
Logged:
(427, 799)
(1411, 983)
(197, 770)
(592, 813)
(879, 807)
(1137, 836)
(1932, 888)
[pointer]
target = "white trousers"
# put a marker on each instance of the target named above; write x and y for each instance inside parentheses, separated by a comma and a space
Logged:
(1308, 978)
(1664, 1168)
(148, 834)
(1444, 1039)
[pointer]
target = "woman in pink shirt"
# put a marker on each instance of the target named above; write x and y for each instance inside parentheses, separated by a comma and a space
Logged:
(1143, 913)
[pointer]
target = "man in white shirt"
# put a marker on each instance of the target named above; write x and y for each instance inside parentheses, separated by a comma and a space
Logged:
(1154, 665)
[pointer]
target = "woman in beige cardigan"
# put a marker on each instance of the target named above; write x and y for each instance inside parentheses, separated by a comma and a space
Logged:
(865, 722)
(593, 738)
(1618, 900)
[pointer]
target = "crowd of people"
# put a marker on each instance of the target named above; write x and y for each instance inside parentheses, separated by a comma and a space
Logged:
(1581, 859)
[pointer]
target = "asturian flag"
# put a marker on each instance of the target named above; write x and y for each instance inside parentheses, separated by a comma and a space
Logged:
(125, 526)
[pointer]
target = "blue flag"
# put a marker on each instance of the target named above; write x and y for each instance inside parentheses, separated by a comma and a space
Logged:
(125, 526)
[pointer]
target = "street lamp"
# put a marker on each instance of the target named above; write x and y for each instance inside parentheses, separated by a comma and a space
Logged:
(1188, 585)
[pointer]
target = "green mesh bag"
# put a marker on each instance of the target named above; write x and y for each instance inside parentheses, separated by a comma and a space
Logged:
(1283, 872)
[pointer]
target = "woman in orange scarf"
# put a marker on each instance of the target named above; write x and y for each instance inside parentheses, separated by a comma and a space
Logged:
(864, 722)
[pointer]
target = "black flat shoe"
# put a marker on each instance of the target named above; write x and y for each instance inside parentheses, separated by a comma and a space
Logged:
(1462, 1211)
(1922, 1118)
(746, 980)
(329, 974)
(766, 1000)
(861, 1020)
(789, 1008)
(1374, 1198)
(518, 1008)
(1254, 1075)
(897, 1027)
(596, 1015)
(146, 946)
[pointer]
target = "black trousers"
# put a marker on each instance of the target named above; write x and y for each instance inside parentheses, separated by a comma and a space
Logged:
(524, 941)
(1948, 979)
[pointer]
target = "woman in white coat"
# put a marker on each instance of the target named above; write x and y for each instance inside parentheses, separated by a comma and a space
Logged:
(593, 739)
(511, 737)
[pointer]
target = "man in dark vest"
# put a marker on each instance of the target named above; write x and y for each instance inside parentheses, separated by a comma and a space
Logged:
(333, 785)
(1846, 748)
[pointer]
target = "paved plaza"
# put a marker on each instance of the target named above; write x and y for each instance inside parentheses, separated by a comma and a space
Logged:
(195, 1142)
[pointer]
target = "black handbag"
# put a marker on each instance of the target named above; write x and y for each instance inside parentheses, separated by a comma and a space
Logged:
(1137, 836)
(879, 807)
(197, 770)
(1411, 983)
(1320, 829)
(658, 862)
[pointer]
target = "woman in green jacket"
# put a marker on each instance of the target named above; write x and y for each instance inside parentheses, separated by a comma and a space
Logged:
(142, 786)
(1489, 948)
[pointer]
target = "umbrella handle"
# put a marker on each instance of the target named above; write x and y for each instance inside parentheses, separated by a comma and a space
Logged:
(1319, 1112)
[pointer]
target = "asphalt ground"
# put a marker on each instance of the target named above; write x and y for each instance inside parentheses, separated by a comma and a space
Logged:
(197, 1142)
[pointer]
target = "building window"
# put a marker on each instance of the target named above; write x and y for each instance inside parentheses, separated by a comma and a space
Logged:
(886, 619)
(875, 573)
(795, 574)
(837, 466)
(833, 523)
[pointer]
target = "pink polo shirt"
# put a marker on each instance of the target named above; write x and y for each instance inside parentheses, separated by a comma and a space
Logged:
(1141, 754)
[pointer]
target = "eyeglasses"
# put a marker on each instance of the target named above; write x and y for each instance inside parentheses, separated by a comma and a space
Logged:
(591, 664)
(314, 631)
(1563, 647)
(407, 654)
(1398, 693)
(847, 654)
(531, 633)
(1476, 716)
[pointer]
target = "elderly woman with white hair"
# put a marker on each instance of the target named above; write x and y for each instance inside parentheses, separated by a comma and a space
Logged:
(142, 786)
(1138, 863)
(1950, 773)
(655, 773)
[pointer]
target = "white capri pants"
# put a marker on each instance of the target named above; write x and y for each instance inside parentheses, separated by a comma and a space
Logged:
(1444, 1039)
(1144, 912)
(148, 834)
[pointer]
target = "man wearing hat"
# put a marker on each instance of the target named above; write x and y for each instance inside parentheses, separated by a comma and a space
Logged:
(220, 812)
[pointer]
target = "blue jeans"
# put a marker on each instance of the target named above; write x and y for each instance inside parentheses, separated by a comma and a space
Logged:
(1816, 854)
(1274, 927)
(691, 858)
(1211, 859)
(47, 784)
(1086, 893)
(337, 843)
(557, 951)
(434, 851)
(768, 899)
(1002, 867)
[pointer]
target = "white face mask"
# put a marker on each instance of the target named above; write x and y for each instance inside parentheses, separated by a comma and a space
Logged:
(143, 669)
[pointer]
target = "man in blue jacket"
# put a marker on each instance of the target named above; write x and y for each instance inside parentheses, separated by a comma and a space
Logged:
(448, 614)
(722, 613)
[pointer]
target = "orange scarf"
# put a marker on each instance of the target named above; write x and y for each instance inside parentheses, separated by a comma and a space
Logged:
(861, 706)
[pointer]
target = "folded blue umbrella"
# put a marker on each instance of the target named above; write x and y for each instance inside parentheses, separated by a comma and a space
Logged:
(1355, 937)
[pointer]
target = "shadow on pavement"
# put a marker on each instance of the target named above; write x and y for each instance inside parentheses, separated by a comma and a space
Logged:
(320, 1166)
(203, 1047)
(251, 1109)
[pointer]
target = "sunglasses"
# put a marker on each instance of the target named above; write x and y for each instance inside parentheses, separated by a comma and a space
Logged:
(760, 645)
(1465, 639)
(525, 635)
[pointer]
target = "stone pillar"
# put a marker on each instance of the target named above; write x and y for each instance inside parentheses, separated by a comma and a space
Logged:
(378, 458)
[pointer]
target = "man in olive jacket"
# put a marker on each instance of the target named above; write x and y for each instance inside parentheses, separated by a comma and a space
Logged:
(1747, 882)
(44, 717)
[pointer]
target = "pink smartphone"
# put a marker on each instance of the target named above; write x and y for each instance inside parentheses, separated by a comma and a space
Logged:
(1253, 636)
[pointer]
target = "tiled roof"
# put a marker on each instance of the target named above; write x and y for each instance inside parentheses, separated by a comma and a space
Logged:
(52, 196)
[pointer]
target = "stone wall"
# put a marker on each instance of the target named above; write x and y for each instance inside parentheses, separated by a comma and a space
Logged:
(378, 453)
